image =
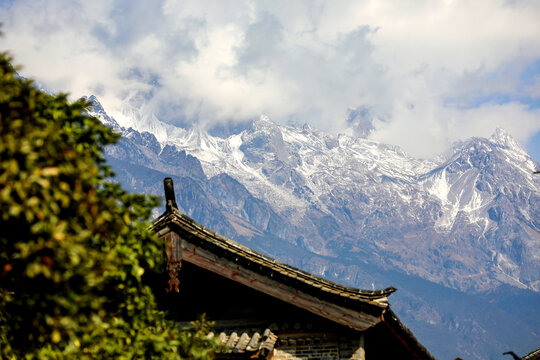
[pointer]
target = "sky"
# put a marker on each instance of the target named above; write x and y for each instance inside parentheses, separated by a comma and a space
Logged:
(422, 73)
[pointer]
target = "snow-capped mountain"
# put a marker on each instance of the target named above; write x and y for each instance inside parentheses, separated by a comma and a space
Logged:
(480, 207)
(478, 210)
(340, 206)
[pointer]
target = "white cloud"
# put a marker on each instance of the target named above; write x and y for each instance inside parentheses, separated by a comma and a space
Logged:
(428, 70)
(429, 129)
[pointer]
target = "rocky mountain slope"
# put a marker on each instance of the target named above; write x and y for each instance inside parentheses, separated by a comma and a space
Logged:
(457, 233)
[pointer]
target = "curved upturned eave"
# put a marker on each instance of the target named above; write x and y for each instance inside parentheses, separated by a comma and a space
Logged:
(174, 216)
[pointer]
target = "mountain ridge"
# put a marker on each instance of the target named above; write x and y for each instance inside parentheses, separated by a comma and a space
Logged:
(305, 174)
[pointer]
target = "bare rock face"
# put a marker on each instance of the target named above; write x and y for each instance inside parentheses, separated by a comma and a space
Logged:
(451, 233)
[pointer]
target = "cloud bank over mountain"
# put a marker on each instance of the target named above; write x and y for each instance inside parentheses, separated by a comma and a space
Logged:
(423, 73)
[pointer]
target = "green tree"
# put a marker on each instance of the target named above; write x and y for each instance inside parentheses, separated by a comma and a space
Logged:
(73, 245)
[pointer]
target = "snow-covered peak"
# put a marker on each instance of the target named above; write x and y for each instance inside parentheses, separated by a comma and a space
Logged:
(264, 122)
(98, 111)
(96, 105)
(503, 138)
(139, 120)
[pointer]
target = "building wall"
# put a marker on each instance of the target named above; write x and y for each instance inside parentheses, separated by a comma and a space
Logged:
(336, 349)
(301, 334)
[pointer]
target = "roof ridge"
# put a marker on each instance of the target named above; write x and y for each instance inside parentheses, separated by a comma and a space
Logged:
(288, 270)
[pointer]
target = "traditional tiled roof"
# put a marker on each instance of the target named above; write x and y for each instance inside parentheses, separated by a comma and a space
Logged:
(216, 243)
(246, 340)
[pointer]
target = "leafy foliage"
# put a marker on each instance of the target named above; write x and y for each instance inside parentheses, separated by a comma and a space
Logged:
(74, 246)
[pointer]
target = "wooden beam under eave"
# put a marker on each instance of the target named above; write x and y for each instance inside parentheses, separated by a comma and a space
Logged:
(233, 271)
